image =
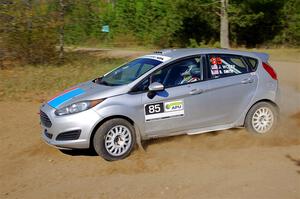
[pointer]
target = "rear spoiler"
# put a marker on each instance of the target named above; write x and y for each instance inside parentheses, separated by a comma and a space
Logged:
(263, 56)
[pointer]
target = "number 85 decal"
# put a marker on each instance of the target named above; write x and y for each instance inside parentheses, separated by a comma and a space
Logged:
(154, 108)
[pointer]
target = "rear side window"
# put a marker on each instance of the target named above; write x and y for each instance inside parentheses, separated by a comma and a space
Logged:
(252, 62)
(226, 65)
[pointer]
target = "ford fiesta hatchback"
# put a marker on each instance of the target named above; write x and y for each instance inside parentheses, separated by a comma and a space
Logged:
(168, 92)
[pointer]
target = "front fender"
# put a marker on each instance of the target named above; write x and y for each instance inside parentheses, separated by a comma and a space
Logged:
(113, 111)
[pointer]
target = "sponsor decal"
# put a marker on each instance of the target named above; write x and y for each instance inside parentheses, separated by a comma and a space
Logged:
(65, 96)
(215, 71)
(174, 106)
(231, 69)
(216, 60)
(157, 57)
(164, 110)
(219, 66)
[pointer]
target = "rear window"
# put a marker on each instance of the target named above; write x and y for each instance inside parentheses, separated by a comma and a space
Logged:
(226, 65)
(252, 62)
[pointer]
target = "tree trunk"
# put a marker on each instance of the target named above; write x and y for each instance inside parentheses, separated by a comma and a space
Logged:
(61, 31)
(29, 52)
(224, 30)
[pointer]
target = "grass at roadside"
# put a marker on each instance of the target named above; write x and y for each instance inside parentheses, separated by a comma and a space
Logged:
(276, 54)
(38, 83)
(280, 54)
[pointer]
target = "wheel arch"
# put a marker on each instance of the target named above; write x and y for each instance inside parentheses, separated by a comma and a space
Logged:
(262, 100)
(138, 137)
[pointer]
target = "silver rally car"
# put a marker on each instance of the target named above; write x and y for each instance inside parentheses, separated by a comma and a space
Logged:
(169, 92)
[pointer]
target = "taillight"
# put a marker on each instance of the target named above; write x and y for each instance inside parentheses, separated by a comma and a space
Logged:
(270, 70)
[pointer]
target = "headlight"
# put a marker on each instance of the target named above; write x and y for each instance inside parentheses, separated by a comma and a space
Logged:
(77, 107)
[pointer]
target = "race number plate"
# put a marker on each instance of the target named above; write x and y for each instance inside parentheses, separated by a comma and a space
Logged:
(164, 110)
(154, 108)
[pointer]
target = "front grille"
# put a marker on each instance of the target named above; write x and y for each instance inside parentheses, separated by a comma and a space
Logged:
(45, 119)
(70, 135)
(49, 135)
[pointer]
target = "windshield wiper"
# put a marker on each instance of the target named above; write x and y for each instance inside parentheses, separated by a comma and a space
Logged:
(104, 83)
(100, 81)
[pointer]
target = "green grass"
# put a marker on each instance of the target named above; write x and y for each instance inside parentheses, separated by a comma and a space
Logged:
(39, 83)
(276, 54)
(280, 54)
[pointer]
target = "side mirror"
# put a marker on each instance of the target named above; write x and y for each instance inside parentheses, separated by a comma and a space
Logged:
(155, 86)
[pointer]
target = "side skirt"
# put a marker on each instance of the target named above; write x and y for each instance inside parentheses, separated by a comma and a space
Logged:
(197, 131)
(209, 129)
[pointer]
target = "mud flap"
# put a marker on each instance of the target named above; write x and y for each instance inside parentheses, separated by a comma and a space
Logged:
(138, 138)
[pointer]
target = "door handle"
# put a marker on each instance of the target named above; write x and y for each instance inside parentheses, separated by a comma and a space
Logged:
(247, 81)
(196, 91)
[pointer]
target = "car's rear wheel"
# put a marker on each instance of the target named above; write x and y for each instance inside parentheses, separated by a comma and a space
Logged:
(114, 139)
(261, 118)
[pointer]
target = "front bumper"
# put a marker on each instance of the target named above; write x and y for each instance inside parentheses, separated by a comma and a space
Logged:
(84, 122)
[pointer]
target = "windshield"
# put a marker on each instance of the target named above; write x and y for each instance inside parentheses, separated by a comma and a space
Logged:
(128, 72)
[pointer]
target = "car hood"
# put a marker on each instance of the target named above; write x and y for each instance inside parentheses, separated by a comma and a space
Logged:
(85, 91)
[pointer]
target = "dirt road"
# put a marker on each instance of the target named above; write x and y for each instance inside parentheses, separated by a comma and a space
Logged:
(227, 164)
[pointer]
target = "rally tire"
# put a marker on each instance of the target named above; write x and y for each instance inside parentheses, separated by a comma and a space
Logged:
(114, 139)
(262, 118)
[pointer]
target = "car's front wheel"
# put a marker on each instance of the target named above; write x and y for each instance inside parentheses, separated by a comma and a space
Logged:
(261, 118)
(114, 139)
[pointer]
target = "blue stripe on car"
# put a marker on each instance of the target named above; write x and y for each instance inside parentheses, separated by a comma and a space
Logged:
(65, 97)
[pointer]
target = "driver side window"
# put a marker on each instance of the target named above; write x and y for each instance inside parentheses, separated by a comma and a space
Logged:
(182, 72)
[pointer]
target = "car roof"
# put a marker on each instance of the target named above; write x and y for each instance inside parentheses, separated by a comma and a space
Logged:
(183, 52)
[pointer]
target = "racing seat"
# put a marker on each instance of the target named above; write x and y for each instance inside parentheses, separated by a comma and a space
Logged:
(192, 74)
(174, 76)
